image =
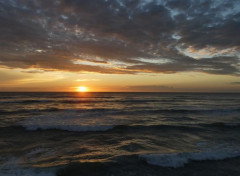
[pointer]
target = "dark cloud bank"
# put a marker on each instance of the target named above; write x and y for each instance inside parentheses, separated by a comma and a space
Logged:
(121, 36)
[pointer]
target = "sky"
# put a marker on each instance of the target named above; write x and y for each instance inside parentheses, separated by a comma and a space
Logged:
(120, 45)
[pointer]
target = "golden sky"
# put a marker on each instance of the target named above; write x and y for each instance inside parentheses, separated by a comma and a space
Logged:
(22, 80)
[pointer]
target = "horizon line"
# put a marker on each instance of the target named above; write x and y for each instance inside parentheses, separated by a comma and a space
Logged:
(107, 92)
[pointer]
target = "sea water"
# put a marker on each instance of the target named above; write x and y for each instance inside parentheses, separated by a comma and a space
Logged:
(47, 134)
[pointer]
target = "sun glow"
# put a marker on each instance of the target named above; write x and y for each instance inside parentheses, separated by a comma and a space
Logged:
(82, 89)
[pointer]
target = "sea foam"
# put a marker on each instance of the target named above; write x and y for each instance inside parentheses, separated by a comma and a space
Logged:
(12, 168)
(68, 122)
(180, 159)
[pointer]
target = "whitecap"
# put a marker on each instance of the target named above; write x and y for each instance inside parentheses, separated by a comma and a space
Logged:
(180, 159)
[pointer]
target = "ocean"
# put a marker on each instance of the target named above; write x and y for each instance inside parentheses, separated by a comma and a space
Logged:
(120, 134)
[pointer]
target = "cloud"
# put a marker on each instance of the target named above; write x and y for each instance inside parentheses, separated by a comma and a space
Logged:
(121, 36)
(9, 77)
(85, 80)
(235, 83)
(152, 88)
(32, 71)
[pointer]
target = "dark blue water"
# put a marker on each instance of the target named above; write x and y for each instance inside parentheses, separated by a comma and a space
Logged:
(42, 133)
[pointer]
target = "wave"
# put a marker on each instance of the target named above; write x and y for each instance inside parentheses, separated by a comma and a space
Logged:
(160, 111)
(69, 126)
(12, 168)
(74, 128)
(154, 127)
(26, 101)
(221, 125)
(17, 171)
(155, 111)
(188, 127)
(79, 97)
(99, 111)
(23, 111)
(208, 111)
(180, 159)
(81, 101)
(167, 111)
(70, 121)
(97, 127)
(105, 101)
(180, 127)
(76, 101)
(112, 111)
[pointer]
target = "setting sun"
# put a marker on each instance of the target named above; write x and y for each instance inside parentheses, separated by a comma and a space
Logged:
(82, 89)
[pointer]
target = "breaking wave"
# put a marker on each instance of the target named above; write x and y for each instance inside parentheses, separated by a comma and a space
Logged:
(180, 159)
